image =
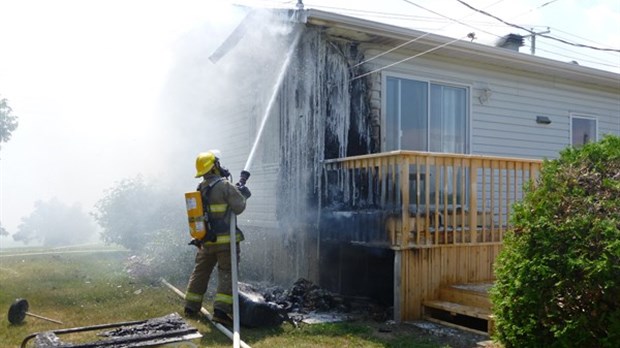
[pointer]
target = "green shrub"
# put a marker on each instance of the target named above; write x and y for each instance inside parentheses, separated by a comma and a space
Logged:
(133, 209)
(165, 255)
(151, 221)
(558, 275)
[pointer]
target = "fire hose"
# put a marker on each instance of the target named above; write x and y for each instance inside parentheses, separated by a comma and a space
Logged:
(219, 326)
(235, 284)
(243, 178)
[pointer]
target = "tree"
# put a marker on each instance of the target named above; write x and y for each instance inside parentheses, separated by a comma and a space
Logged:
(132, 211)
(3, 232)
(558, 275)
(8, 121)
(54, 223)
(151, 221)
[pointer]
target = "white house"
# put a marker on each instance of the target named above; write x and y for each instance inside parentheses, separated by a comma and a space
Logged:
(394, 156)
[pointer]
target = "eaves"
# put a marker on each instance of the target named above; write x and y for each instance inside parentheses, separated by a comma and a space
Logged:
(382, 33)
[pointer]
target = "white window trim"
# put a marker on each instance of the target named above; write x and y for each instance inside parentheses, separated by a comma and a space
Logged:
(574, 115)
(468, 88)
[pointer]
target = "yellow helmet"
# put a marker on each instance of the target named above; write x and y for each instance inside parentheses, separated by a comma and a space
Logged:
(204, 163)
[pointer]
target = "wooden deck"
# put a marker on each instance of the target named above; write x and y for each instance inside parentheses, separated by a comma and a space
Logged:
(422, 273)
(430, 199)
(444, 215)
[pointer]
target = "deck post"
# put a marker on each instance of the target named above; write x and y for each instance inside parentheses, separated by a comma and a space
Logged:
(473, 200)
(398, 299)
(404, 187)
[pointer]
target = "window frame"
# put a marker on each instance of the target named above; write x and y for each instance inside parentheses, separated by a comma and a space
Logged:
(574, 115)
(429, 81)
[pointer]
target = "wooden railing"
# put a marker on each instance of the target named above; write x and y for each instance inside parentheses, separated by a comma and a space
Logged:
(428, 199)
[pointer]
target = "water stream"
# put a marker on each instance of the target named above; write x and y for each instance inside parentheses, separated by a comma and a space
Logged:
(276, 88)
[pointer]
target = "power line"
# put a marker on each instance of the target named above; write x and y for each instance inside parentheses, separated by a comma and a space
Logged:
(607, 64)
(378, 13)
(534, 9)
(409, 58)
(577, 36)
(607, 54)
(419, 37)
(470, 35)
(450, 18)
(564, 51)
(534, 33)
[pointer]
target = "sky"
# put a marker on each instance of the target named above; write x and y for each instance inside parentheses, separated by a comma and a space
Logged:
(87, 78)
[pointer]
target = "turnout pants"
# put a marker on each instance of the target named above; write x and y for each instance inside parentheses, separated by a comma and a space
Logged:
(206, 259)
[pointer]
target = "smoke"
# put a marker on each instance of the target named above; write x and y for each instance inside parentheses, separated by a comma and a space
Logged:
(217, 97)
(222, 78)
(219, 88)
(110, 90)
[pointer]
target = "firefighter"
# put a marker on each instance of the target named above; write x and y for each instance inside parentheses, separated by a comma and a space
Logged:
(220, 198)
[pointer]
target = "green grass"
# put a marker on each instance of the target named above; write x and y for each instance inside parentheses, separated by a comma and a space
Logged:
(84, 289)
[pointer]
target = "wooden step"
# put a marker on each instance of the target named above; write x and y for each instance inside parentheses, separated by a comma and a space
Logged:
(457, 308)
(474, 295)
(448, 313)
(464, 328)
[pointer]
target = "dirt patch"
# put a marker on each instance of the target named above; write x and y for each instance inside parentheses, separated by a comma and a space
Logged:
(438, 334)
(307, 302)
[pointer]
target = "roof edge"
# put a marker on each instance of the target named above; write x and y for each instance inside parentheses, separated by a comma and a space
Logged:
(516, 59)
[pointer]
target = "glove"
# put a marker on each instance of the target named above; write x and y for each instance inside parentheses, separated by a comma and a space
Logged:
(197, 243)
(245, 191)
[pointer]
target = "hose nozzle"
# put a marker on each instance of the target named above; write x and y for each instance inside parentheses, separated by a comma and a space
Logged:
(243, 177)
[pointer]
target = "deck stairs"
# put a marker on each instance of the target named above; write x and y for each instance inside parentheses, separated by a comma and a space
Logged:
(463, 306)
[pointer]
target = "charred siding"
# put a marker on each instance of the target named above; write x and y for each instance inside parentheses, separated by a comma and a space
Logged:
(322, 114)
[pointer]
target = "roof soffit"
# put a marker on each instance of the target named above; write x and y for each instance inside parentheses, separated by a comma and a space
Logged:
(375, 33)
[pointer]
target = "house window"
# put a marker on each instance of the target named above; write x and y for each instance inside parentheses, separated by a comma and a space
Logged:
(426, 116)
(583, 129)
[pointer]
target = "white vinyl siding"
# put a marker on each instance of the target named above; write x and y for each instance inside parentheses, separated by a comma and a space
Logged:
(505, 124)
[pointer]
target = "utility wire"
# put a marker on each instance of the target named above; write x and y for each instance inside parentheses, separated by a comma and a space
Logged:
(468, 25)
(609, 54)
(534, 9)
(577, 36)
(561, 51)
(409, 58)
(607, 64)
(421, 36)
(534, 33)
(582, 54)
(450, 18)
(378, 13)
(596, 60)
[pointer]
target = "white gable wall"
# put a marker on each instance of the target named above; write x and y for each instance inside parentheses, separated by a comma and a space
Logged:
(505, 125)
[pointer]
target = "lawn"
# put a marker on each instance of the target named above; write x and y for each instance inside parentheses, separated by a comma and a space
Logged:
(90, 287)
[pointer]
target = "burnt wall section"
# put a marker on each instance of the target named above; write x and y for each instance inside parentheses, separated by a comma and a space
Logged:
(322, 114)
(373, 82)
(364, 226)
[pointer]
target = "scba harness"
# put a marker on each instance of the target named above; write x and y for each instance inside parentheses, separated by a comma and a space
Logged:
(214, 227)
(203, 227)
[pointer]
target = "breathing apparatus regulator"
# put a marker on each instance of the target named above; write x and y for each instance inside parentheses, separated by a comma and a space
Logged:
(198, 217)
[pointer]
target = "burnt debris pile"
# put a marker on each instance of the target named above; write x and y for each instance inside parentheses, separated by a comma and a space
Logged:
(304, 297)
(171, 328)
(171, 323)
(255, 311)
